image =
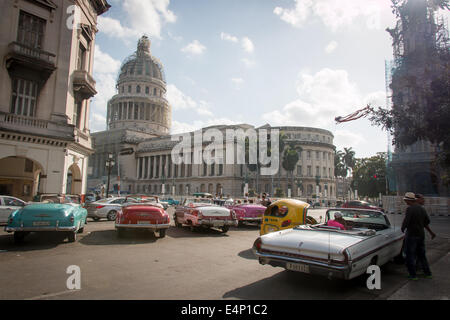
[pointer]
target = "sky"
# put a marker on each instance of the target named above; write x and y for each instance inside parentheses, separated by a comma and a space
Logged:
(281, 62)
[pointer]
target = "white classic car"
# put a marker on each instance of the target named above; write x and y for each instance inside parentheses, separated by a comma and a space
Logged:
(320, 249)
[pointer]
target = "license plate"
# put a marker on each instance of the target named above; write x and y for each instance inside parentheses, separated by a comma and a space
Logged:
(218, 224)
(143, 222)
(41, 223)
(297, 267)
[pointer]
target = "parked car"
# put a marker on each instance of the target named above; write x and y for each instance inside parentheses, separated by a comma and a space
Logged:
(170, 201)
(285, 214)
(7, 206)
(328, 251)
(247, 212)
(149, 216)
(203, 213)
(41, 217)
(357, 204)
(106, 208)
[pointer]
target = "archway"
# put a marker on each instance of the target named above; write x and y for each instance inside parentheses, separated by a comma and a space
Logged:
(20, 177)
(73, 181)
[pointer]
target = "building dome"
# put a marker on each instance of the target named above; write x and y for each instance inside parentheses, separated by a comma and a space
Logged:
(140, 103)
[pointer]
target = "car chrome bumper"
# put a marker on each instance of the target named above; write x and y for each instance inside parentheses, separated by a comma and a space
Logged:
(217, 223)
(143, 226)
(39, 229)
(315, 267)
(250, 219)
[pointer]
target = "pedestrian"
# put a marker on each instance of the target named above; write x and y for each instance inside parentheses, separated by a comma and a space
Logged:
(414, 223)
(421, 201)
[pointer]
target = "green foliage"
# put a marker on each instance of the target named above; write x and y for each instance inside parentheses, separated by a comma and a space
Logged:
(364, 174)
(343, 162)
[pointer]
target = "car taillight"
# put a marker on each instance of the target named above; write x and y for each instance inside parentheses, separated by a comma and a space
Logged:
(257, 244)
(286, 223)
(233, 214)
(11, 220)
(99, 207)
(71, 219)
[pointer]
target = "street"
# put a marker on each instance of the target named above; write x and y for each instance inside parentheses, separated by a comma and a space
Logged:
(183, 265)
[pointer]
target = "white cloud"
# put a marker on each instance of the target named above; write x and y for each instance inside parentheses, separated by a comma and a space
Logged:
(331, 47)
(335, 13)
(180, 101)
(194, 48)
(248, 63)
(140, 17)
(345, 138)
(322, 97)
(105, 73)
(238, 82)
(228, 37)
(247, 45)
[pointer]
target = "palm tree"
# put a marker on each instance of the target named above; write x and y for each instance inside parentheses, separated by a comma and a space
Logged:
(349, 158)
(290, 159)
(339, 167)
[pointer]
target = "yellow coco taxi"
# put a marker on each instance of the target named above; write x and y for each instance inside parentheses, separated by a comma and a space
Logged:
(285, 214)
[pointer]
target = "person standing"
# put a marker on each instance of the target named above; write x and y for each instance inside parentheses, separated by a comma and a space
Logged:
(414, 223)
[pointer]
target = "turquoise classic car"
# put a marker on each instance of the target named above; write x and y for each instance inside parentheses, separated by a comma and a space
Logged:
(44, 217)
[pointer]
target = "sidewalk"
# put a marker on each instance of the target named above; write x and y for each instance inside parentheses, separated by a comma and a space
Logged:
(437, 288)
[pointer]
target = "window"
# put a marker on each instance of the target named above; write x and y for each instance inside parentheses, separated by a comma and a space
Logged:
(220, 169)
(324, 171)
(309, 171)
(31, 30)
(78, 108)
(129, 89)
(317, 171)
(317, 155)
(299, 170)
(147, 90)
(24, 95)
(308, 155)
(154, 91)
(138, 89)
(81, 59)
(28, 165)
(213, 169)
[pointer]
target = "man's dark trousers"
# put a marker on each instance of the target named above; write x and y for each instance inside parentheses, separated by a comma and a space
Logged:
(415, 253)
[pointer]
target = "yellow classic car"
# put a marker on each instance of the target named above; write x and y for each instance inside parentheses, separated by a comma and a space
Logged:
(285, 214)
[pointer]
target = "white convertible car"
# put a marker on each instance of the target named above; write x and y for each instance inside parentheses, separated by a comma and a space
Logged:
(332, 252)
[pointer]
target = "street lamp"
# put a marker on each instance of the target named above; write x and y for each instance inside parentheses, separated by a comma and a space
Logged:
(109, 164)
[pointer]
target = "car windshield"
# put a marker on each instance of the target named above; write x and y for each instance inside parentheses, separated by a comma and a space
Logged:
(198, 200)
(360, 217)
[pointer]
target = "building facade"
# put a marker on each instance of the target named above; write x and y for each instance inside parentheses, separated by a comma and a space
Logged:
(45, 86)
(138, 139)
(417, 37)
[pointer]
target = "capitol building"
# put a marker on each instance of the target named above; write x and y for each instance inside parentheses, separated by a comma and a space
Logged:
(138, 139)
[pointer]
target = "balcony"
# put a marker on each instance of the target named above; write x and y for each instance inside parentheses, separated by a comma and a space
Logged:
(23, 58)
(35, 126)
(83, 85)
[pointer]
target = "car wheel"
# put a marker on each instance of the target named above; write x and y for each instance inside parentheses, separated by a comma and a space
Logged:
(96, 219)
(81, 230)
(111, 216)
(162, 233)
(225, 229)
(72, 236)
(240, 223)
(19, 237)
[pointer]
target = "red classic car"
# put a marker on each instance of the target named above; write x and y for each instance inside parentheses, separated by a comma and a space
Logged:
(142, 216)
(198, 212)
(248, 212)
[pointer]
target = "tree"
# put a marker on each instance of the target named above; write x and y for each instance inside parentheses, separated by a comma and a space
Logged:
(369, 175)
(290, 159)
(348, 158)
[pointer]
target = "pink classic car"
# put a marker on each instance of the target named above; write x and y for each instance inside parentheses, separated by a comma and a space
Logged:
(203, 213)
(248, 212)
